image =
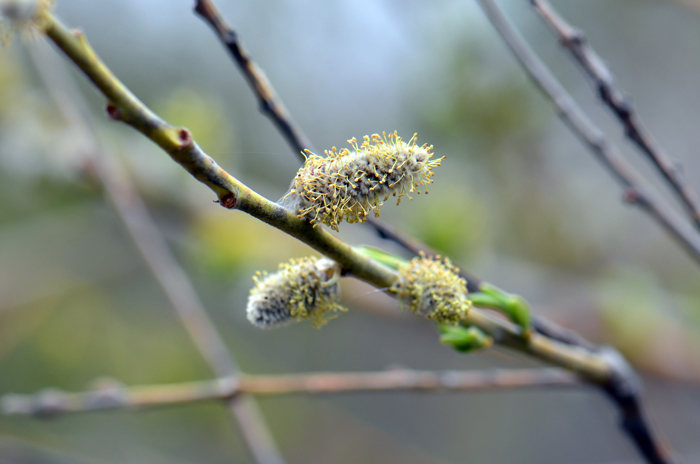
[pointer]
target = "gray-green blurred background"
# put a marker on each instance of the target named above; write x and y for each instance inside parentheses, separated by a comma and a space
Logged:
(517, 201)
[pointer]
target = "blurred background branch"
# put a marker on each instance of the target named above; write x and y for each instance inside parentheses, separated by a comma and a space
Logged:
(113, 395)
(576, 42)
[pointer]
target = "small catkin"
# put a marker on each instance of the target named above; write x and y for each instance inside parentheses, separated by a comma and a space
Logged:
(347, 185)
(304, 288)
(433, 288)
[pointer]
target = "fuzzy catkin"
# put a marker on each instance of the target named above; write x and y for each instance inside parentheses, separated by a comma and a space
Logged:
(347, 185)
(433, 288)
(304, 288)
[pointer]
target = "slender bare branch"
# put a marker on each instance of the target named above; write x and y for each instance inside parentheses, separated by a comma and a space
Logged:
(635, 191)
(575, 41)
(624, 389)
(270, 103)
(113, 395)
(145, 234)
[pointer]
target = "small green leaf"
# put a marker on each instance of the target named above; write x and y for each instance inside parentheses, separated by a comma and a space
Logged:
(464, 339)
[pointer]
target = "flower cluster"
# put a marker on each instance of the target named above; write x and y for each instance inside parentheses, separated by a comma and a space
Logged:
(433, 288)
(347, 185)
(304, 288)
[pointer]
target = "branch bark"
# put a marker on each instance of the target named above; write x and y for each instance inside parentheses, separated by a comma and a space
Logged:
(113, 395)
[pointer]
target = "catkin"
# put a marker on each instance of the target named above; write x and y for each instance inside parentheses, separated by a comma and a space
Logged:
(347, 185)
(433, 288)
(304, 288)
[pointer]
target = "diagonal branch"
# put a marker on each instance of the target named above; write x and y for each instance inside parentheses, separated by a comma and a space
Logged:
(113, 395)
(635, 192)
(145, 234)
(575, 41)
(624, 388)
(270, 103)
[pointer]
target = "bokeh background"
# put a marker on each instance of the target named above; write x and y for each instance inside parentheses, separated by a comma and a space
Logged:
(518, 201)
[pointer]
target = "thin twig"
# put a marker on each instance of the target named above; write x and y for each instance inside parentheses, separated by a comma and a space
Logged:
(113, 395)
(270, 103)
(145, 234)
(635, 192)
(624, 388)
(575, 41)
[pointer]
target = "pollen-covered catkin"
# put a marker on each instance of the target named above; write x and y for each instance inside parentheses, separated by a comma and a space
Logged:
(347, 185)
(303, 288)
(433, 288)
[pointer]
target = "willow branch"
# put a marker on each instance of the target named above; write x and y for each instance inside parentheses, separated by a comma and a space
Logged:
(113, 395)
(575, 41)
(635, 192)
(178, 143)
(624, 388)
(270, 104)
(151, 244)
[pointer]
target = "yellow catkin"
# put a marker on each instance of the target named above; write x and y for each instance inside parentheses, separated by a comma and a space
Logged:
(433, 288)
(348, 185)
(303, 288)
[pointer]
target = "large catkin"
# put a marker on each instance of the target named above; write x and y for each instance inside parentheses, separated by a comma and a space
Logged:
(348, 185)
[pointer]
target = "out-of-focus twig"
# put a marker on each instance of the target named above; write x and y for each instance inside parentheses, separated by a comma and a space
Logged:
(635, 191)
(575, 41)
(143, 230)
(113, 395)
(624, 388)
(270, 103)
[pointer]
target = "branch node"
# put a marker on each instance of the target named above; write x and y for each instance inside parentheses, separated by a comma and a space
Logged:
(631, 195)
(228, 201)
(49, 403)
(113, 112)
(575, 38)
(184, 137)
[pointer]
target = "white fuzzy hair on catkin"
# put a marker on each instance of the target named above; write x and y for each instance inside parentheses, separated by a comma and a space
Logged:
(303, 288)
(347, 185)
